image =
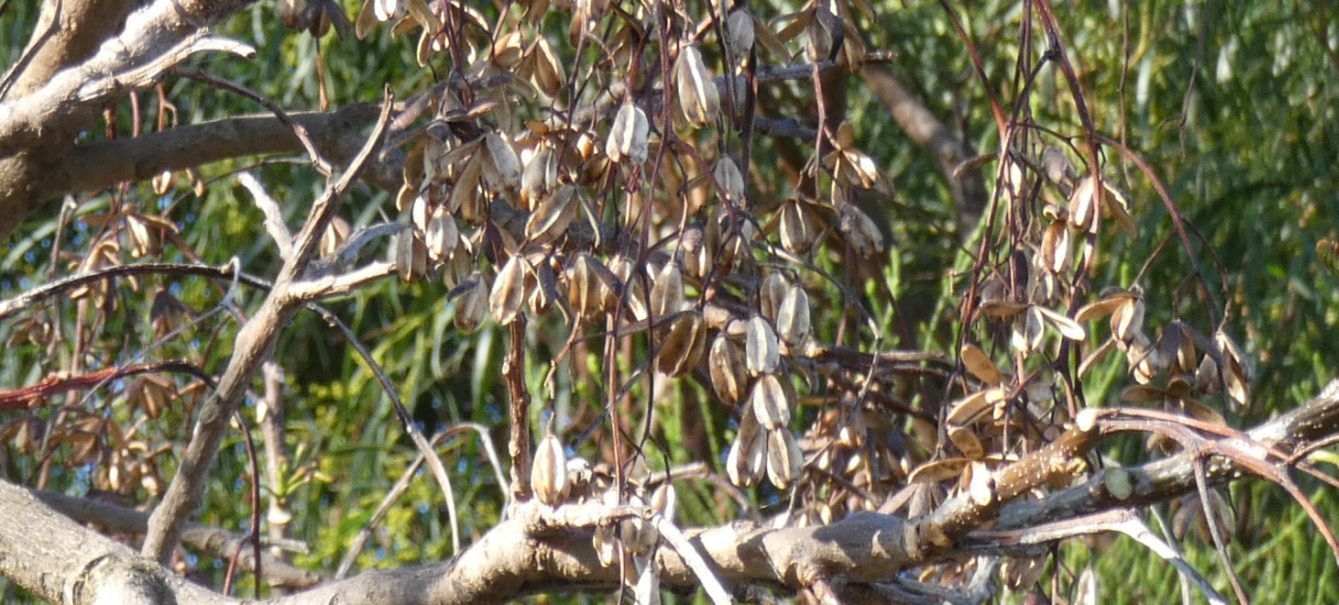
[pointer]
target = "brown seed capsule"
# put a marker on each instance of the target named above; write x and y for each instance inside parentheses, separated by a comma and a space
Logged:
(772, 293)
(553, 215)
(861, 232)
(633, 289)
(508, 294)
(726, 362)
(548, 474)
(665, 500)
(628, 136)
(540, 176)
(1237, 370)
(760, 347)
(785, 461)
(411, 256)
(667, 291)
(441, 235)
(584, 290)
(747, 460)
(334, 235)
(502, 169)
(548, 72)
(471, 303)
(699, 100)
(683, 345)
(792, 319)
(797, 228)
(730, 180)
(770, 403)
(739, 33)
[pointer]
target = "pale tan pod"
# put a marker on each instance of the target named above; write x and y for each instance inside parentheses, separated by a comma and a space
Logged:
(1066, 326)
(747, 460)
(730, 180)
(739, 33)
(726, 363)
(472, 303)
(665, 500)
(698, 98)
(772, 293)
(760, 347)
(1083, 206)
(860, 230)
(549, 74)
(980, 365)
(441, 235)
(792, 319)
(667, 290)
(540, 176)
(675, 356)
(1128, 319)
(1237, 370)
(553, 215)
(797, 228)
(785, 460)
(508, 295)
(503, 169)
(548, 474)
(585, 291)
(411, 256)
(770, 404)
(628, 137)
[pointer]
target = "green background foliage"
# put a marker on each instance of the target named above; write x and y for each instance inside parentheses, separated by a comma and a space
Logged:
(1234, 105)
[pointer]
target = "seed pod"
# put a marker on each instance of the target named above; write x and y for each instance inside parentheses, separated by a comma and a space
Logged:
(747, 460)
(385, 10)
(471, 303)
(667, 291)
(508, 290)
(334, 235)
(683, 345)
(726, 362)
(1128, 319)
(411, 256)
(792, 319)
(584, 290)
(553, 215)
(770, 403)
(1208, 379)
(1237, 370)
(785, 461)
(760, 347)
(1055, 248)
(502, 170)
(797, 228)
(540, 176)
(628, 136)
(731, 181)
(699, 100)
(665, 500)
(441, 235)
(697, 250)
(548, 475)
(1027, 332)
(772, 293)
(633, 289)
(548, 70)
(1083, 206)
(542, 286)
(739, 33)
(861, 232)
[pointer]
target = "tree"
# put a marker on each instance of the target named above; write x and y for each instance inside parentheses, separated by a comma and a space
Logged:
(647, 245)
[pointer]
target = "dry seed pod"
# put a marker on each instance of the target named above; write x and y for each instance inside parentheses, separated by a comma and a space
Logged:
(980, 365)
(540, 176)
(1207, 377)
(760, 347)
(1083, 206)
(699, 100)
(861, 232)
(967, 442)
(585, 291)
(1237, 370)
(334, 235)
(441, 235)
(1027, 332)
(726, 362)
(1085, 588)
(1066, 326)
(739, 33)
(503, 168)
(1055, 248)
(792, 319)
(548, 475)
(770, 403)
(730, 180)
(628, 136)
(1128, 319)
(508, 294)
(411, 256)
(665, 500)
(633, 289)
(553, 215)
(797, 228)
(772, 293)
(785, 461)
(667, 291)
(471, 303)
(683, 345)
(548, 70)
(747, 460)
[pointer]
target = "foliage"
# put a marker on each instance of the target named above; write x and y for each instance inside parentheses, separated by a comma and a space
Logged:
(1229, 105)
